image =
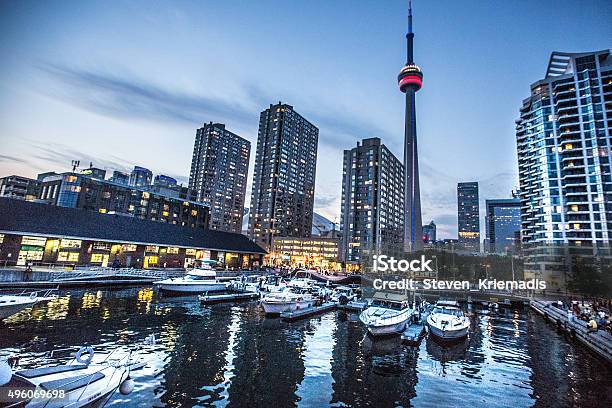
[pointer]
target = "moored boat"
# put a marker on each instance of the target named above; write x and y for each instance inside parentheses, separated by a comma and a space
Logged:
(387, 314)
(13, 304)
(198, 280)
(343, 295)
(447, 321)
(287, 300)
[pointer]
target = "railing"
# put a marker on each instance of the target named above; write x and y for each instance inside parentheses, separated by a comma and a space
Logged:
(94, 272)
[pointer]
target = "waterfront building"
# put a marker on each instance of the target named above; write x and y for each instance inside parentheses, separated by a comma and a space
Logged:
(120, 177)
(36, 232)
(372, 206)
(282, 197)
(503, 225)
(141, 177)
(75, 190)
(22, 188)
(219, 169)
(564, 160)
(468, 211)
(429, 232)
(315, 253)
(410, 80)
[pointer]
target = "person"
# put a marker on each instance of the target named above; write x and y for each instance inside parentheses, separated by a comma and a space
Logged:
(27, 276)
(592, 325)
(570, 314)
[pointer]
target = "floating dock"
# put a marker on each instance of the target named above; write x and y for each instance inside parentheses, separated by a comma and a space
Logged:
(354, 306)
(310, 311)
(228, 297)
(600, 341)
(413, 334)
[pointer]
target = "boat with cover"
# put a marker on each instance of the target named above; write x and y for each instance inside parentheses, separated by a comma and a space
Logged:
(447, 321)
(197, 280)
(13, 304)
(83, 381)
(289, 299)
(343, 295)
(387, 313)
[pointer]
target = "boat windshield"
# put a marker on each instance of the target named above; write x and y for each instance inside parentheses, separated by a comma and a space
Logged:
(448, 310)
(387, 304)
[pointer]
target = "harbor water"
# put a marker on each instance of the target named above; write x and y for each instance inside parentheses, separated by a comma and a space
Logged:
(232, 355)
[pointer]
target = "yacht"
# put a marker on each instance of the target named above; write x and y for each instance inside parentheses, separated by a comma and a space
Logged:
(447, 321)
(388, 313)
(251, 283)
(343, 295)
(78, 383)
(13, 304)
(198, 280)
(287, 300)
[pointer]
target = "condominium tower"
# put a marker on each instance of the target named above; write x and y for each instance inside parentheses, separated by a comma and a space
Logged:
(219, 168)
(468, 215)
(372, 221)
(564, 152)
(282, 197)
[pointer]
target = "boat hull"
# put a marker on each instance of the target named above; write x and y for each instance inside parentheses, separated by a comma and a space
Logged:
(11, 309)
(448, 334)
(276, 308)
(387, 330)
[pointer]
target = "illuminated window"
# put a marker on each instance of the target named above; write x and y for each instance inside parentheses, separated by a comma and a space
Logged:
(97, 258)
(70, 243)
(102, 245)
(128, 247)
(102, 210)
(1, 238)
(68, 257)
(152, 248)
(173, 250)
(190, 252)
(36, 241)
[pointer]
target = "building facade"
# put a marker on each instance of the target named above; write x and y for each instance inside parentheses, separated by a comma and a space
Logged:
(219, 170)
(141, 177)
(564, 152)
(282, 197)
(22, 188)
(429, 232)
(120, 177)
(39, 233)
(468, 211)
(372, 212)
(503, 225)
(315, 252)
(74, 190)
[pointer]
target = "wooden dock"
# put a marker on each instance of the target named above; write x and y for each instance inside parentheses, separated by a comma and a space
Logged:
(413, 334)
(310, 311)
(228, 297)
(600, 341)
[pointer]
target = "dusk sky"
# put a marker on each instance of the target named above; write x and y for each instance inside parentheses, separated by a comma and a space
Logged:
(121, 83)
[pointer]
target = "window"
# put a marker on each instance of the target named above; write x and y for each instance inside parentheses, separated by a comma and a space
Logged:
(152, 248)
(173, 250)
(128, 247)
(97, 258)
(68, 257)
(190, 252)
(70, 243)
(36, 241)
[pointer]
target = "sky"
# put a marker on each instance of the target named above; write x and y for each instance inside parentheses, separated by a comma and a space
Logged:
(124, 83)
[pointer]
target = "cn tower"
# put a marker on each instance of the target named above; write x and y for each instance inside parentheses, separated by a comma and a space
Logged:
(410, 80)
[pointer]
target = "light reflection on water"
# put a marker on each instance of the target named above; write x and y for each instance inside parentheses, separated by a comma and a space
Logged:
(230, 354)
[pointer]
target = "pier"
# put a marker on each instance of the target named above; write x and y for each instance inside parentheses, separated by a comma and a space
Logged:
(354, 306)
(599, 342)
(310, 311)
(228, 297)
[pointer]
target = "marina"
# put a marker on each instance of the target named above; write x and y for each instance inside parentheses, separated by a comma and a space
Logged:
(232, 353)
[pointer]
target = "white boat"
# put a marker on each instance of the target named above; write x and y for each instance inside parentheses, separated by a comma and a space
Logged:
(273, 283)
(195, 281)
(251, 283)
(81, 382)
(388, 313)
(447, 321)
(287, 300)
(343, 295)
(12, 304)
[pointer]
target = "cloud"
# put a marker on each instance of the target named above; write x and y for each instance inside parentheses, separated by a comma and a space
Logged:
(5, 158)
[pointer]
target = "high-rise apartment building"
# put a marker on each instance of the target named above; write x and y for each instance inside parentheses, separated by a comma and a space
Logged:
(282, 197)
(22, 188)
(219, 169)
(564, 152)
(429, 232)
(372, 220)
(503, 225)
(468, 211)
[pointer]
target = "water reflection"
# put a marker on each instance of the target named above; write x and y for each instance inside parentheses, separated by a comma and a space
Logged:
(232, 355)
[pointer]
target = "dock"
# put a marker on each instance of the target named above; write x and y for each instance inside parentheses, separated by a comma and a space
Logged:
(228, 297)
(354, 306)
(599, 342)
(413, 334)
(310, 311)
